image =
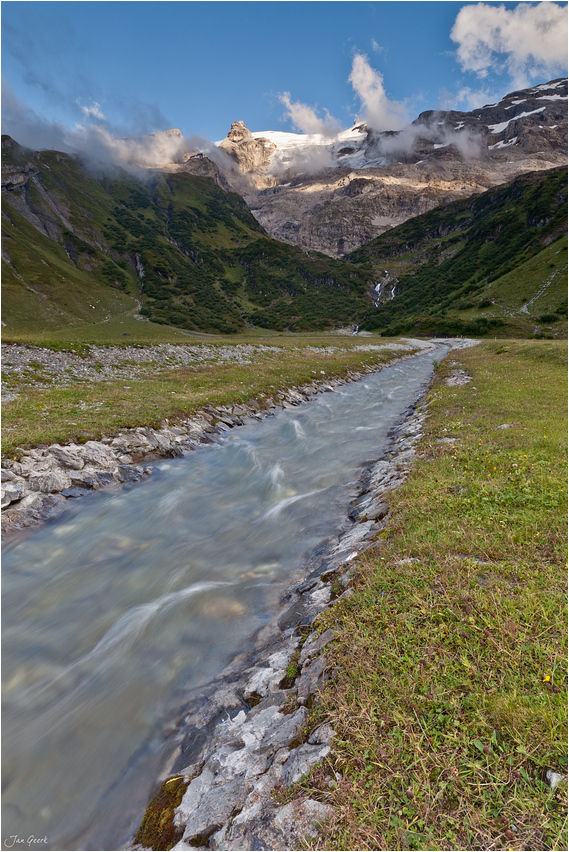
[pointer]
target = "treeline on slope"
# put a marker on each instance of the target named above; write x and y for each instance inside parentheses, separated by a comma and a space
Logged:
(453, 252)
(192, 253)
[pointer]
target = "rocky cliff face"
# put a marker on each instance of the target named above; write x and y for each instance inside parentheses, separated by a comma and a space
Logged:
(333, 195)
(252, 154)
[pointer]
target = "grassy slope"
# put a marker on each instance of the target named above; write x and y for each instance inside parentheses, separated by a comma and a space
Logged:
(50, 292)
(450, 678)
(207, 263)
(449, 261)
(541, 282)
(209, 266)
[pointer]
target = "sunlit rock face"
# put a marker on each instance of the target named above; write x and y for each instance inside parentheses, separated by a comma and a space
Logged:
(252, 154)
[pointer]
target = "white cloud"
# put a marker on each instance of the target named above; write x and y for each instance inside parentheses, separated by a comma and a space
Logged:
(527, 41)
(93, 111)
(96, 141)
(470, 144)
(378, 111)
(304, 118)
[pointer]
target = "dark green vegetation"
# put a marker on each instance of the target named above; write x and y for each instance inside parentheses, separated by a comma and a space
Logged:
(449, 686)
(157, 830)
(82, 245)
(471, 266)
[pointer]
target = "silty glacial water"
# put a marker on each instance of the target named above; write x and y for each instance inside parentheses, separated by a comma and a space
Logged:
(115, 608)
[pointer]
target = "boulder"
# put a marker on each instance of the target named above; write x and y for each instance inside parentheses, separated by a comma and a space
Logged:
(66, 457)
(311, 679)
(49, 483)
(97, 454)
(377, 512)
(215, 809)
(314, 644)
(11, 491)
(301, 761)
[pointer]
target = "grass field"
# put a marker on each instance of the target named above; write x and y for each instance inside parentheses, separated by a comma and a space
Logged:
(449, 686)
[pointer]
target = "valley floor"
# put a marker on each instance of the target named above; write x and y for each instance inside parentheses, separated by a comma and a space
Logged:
(70, 390)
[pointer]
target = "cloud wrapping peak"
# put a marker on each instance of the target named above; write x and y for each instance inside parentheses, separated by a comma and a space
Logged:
(526, 41)
(304, 118)
(95, 141)
(379, 112)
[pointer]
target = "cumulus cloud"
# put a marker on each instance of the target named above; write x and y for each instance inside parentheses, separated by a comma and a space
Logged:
(405, 143)
(304, 118)
(527, 41)
(379, 111)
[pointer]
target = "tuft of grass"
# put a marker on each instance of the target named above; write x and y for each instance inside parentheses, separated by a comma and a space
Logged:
(449, 695)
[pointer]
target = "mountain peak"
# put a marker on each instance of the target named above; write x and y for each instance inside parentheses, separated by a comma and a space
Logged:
(251, 154)
(332, 194)
(239, 131)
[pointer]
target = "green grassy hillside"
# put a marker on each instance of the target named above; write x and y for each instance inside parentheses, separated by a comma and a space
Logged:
(493, 263)
(81, 247)
(84, 249)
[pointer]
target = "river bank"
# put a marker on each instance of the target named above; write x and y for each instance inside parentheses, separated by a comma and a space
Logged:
(96, 598)
(38, 482)
(448, 689)
(424, 707)
(252, 731)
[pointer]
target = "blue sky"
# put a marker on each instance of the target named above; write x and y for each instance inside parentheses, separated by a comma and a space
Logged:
(137, 67)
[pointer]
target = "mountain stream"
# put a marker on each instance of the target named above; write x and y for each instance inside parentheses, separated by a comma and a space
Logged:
(111, 611)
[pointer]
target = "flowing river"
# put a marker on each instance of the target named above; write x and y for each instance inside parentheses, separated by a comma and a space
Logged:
(115, 609)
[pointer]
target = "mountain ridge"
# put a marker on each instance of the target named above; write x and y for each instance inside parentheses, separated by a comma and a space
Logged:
(80, 241)
(453, 259)
(368, 182)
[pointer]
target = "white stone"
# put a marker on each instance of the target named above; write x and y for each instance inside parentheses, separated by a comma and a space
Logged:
(97, 454)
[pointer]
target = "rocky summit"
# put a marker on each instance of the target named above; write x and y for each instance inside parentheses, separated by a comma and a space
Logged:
(333, 194)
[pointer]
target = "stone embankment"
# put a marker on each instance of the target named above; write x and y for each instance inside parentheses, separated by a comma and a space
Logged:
(250, 735)
(38, 484)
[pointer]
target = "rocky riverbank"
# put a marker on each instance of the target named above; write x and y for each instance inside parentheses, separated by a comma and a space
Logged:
(250, 735)
(37, 485)
(251, 732)
(41, 366)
